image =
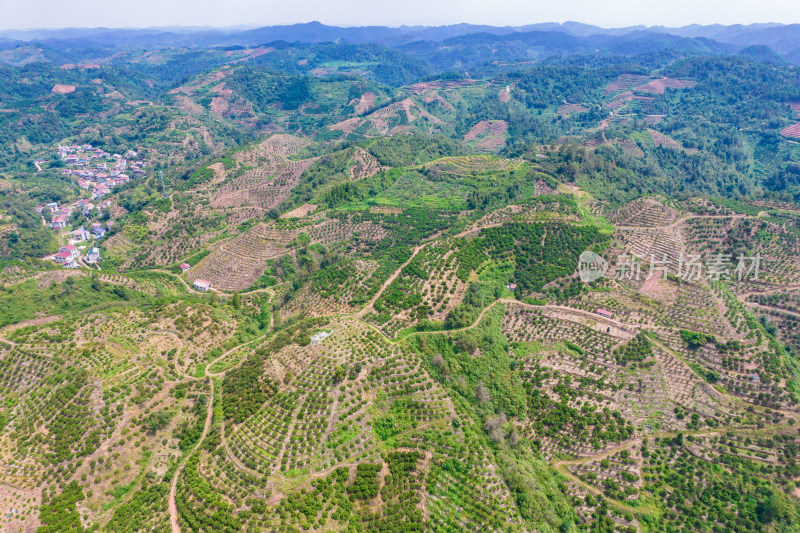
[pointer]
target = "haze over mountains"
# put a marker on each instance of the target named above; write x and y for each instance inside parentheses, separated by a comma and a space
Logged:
(533, 40)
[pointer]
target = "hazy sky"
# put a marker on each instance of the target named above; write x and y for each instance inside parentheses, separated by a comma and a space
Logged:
(18, 14)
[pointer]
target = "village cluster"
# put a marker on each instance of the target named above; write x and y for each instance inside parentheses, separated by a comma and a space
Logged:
(69, 256)
(96, 171)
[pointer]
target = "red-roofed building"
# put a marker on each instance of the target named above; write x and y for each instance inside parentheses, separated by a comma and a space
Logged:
(185, 267)
(70, 249)
(62, 257)
(604, 312)
(60, 222)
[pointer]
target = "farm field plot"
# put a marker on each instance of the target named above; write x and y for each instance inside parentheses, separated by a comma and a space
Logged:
(663, 245)
(793, 131)
(99, 377)
(300, 212)
(648, 213)
(311, 440)
(335, 290)
(625, 82)
(774, 240)
(658, 86)
(280, 144)
(397, 117)
(238, 263)
(412, 190)
(364, 165)
(571, 109)
(428, 288)
(261, 188)
(489, 136)
(636, 90)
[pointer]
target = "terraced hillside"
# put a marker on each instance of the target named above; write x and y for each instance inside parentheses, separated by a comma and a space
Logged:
(558, 294)
(362, 385)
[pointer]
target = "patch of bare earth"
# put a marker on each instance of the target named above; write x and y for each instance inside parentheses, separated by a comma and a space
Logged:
(380, 119)
(477, 130)
(284, 144)
(45, 279)
(660, 85)
(505, 94)
(365, 103)
(261, 188)
(496, 138)
(434, 96)
(625, 97)
(792, 131)
(238, 263)
(659, 289)
(17, 509)
(571, 109)
(256, 52)
(32, 322)
(625, 82)
(346, 126)
(62, 89)
(300, 212)
(629, 146)
(219, 105)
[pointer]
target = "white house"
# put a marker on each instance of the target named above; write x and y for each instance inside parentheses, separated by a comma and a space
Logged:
(94, 255)
(202, 285)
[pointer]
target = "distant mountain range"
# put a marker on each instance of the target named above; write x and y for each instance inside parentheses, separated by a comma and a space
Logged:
(569, 37)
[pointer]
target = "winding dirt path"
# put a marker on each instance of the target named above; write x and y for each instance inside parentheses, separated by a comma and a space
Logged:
(473, 229)
(680, 220)
(389, 281)
(173, 487)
